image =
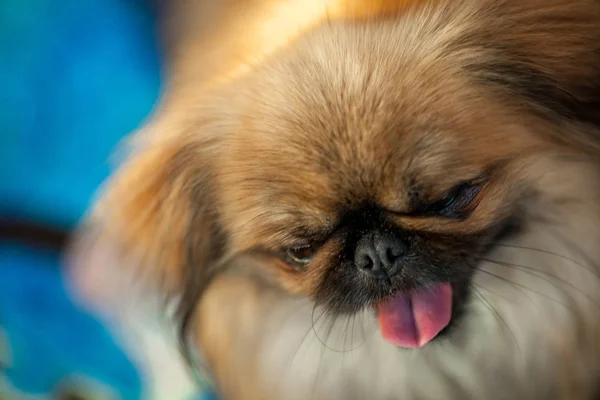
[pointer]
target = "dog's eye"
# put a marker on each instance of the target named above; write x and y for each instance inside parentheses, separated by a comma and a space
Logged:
(458, 202)
(299, 256)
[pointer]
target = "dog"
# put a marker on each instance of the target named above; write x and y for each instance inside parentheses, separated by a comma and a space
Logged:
(364, 199)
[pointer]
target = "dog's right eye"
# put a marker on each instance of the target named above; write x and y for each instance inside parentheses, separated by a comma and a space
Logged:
(458, 203)
(300, 256)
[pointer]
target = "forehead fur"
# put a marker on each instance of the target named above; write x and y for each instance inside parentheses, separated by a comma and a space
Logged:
(358, 110)
(339, 126)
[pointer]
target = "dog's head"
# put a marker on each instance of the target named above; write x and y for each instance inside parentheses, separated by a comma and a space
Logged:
(370, 163)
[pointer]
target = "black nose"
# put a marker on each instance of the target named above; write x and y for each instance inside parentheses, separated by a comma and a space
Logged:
(379, 255)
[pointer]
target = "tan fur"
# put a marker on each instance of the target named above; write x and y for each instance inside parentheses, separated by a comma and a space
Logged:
(278, 114)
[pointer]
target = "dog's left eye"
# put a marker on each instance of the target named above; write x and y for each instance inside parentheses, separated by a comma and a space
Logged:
(299, 256)
(458, 202)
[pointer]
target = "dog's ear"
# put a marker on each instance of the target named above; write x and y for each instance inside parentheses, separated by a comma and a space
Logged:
(155, 226)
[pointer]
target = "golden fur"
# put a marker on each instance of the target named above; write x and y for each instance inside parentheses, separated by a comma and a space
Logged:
(280, 116)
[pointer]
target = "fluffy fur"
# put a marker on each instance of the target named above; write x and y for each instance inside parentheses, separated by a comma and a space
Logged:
(303, 122)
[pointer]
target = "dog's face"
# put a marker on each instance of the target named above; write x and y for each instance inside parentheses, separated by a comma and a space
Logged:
(373, 163)
(357, 191)
(365, 177)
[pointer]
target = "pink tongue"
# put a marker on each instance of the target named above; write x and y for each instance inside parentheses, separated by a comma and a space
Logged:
(414, 319)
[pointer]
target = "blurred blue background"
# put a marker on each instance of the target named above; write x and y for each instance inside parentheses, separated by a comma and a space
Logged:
(75, 77)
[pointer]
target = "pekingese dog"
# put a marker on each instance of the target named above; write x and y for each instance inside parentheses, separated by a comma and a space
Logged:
(362, 199)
